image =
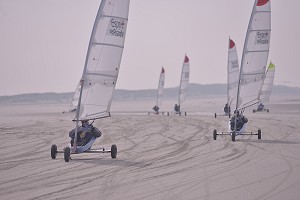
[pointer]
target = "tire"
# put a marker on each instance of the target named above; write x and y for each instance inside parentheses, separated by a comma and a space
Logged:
(215, 115)
(253, 111)
(267, 110)
(53, 151)
(233, 136)
(185, 113)
(259, 134)
(113, 151)
(67, 151)
(215, 134)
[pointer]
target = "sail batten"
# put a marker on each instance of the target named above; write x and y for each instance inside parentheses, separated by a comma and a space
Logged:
(106, 44)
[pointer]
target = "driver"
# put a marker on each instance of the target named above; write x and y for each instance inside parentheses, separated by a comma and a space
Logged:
(84, 133)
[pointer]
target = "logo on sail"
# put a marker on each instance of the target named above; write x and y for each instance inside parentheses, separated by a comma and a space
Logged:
(186, 74)
(262, 37)
(234, 64)
(116, 27)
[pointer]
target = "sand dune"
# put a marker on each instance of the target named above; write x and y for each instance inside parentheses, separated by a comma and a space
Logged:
(159, 157)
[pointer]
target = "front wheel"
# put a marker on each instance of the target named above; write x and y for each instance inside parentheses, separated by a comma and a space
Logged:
(113, 151)
(53, 151)
(215, 134)
(233, 136)
(259, 134)
(67, 151)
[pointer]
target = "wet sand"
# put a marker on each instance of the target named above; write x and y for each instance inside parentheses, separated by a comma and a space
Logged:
(159, 157)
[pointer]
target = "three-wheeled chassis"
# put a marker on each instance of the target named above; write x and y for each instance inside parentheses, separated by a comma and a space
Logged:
(233, 134)
(67, 152)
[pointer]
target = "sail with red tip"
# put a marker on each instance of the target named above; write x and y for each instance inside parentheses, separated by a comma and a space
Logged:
(184, 80)
(255, 54)
(103, 60)
(232, 74)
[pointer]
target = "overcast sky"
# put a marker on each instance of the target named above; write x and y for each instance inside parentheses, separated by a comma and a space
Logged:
(43, 43)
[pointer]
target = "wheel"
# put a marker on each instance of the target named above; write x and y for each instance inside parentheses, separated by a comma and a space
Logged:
(67, 154)
(233, 136)
(259, 134)
(253, 111)
(185, 113)
(215, 134)
(215, 115)
(267, 110)
(53, 151)
(113, 151)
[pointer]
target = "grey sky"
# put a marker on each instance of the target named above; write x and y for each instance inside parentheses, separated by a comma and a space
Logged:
(43, 43)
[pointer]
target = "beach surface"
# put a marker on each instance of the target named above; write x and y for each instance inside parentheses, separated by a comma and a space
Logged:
(168, 157)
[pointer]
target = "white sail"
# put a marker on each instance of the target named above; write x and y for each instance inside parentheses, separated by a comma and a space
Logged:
(160, 89)
(103, 60)
(255, 54)
(74, 102)
(232, 74)
(184, 80)
(267, 86)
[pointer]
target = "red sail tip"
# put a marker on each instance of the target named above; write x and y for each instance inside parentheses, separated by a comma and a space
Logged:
(186, 59)
(262, 2)
(231, 44)
(162, 70)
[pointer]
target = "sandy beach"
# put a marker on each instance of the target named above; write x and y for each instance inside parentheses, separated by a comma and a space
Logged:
(159, 157)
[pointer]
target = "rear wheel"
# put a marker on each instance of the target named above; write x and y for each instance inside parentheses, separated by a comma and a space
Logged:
(259, 134)
(53, 151)
(215, 134)
(67, 154)
(113, 151)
